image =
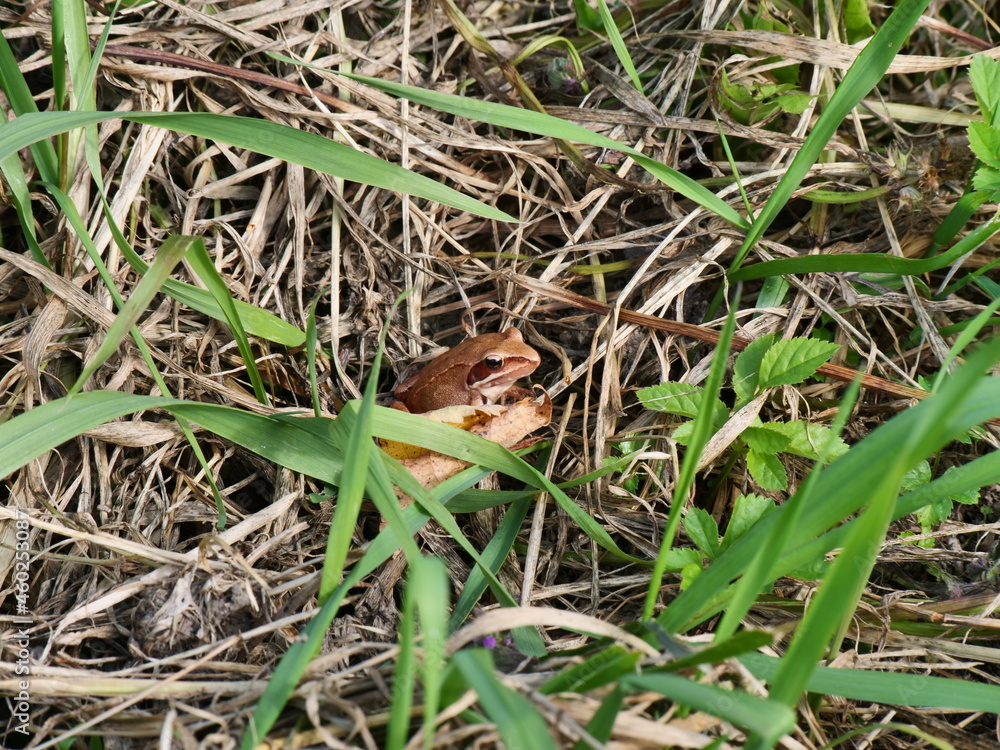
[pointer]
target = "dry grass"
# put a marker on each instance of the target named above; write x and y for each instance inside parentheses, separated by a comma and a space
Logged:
(152, 629)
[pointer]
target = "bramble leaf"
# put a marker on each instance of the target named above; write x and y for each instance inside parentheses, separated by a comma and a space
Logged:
(793, 360)
(766, 470)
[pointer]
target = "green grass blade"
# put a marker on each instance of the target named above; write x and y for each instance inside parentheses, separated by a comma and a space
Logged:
(78, 57)
(541, 124)
(610, 664)
(518, 723)
(869, 262)
(602, 723)
(432, 591)
(301, 444)
(843, 487)
(166, 258)
(760, 715)
(974, 475)
(528, 640)
(964, 340)
(392, 424)
(404, 675)
(15, 88)
(203, 266)
(60, 88)
(891, 688)
(312, 349)
(957, 218)
(91, 146)
(76, 222)
(863, 75)
(33, 433)
(621, 50)
(255, 321)
(833, 605)
(353, 480)
(704, 425)
(261, 136)
(70, 61)
(292, 665)
(426, 598)
(499, 546)
(20, 196)
(294, 662)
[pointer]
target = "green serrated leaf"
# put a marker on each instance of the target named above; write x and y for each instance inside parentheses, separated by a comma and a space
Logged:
(917, 476)
(813, 441)
(746, 367)
(766, 470)
(857, 23)
(675, 398)
(970, 497)
(794, 104)
(769, 90)
(679, 558)
(702, 529)
(985, 143)
(765, 438)
(739, 92)
(793, 360)
(986, 180)
(930, 516)
(984, 73)
(683, 433)
(747, 511)
(689, 573)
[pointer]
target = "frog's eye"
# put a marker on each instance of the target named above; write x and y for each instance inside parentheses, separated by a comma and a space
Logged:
(493, 362)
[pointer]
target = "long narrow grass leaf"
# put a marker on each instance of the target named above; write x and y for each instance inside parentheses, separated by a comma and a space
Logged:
(404, 679)
(843, 488)
(621, 50)
(518, 723)
(353, 480)
(76, 222)
(169, 255)
(867, 70)
(431, 586)
(33, 433)
(893, 688)
(262, 136)
(203, 266)
(760, 715)
(869, 262)
(15, 88)
(704, 425)
(542, 124)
